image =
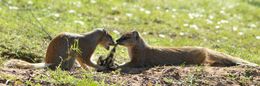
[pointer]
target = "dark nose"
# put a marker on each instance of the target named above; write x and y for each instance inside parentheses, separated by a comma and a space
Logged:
(113, 43)
(118, 41)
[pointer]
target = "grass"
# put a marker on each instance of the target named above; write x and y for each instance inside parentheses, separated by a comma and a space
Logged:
(229, 26)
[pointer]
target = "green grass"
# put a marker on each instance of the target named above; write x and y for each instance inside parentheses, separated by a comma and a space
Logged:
(59, 77)
(229, 26)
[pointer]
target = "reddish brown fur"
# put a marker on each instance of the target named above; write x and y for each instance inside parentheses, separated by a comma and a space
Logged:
(59, 52)
(142, 55)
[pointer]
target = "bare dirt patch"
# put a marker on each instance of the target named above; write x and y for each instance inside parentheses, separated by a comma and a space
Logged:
(166, 75)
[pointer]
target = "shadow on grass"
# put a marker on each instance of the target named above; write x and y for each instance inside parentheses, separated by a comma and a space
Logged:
(254, 3)
(23, 55)
(26, 56)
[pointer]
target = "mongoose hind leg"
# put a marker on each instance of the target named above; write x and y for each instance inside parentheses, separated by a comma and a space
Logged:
(82, 63)
(215, 58)
(55, 63)
(68, 64)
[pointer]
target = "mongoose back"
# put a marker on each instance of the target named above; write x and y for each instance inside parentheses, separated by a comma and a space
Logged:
(66, 47)
(143, 55)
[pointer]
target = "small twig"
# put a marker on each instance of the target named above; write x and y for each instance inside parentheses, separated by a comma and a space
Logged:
(41, 26)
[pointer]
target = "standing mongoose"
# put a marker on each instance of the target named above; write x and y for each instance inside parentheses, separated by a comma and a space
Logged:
(66, 47)
(143, 55)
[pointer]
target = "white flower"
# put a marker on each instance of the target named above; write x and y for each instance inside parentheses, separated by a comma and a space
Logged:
(167, 10)
(209, 21)
(129, 14)
(9, 2)
(30, 2)
(257, 37)
(56, 22)
(225, 38)
(116, 32)
(217, 27)
(194, 27)
(173, 16)
(141, 9)
(222, 22)
(113, 8)
(80, 15)
(185, 25)
(240, 33)
(252, 25)
(78, 4)
(162, 36)
(56, 15)
(211, 16)
(231, 6)
(116, 18)
(79, 22)
(72, 11)
(124, 4)
(194, 15)
(147, 12)
(191, 16)
(223, 8)
(181, 33)
(93, 1)
(222, 12)
(234, 28)
(39, 19)
(145, 33)
(205, 40)
(13, 8)
(158, 7)
(173, 10)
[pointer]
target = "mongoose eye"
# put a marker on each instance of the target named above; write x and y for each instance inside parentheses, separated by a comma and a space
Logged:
(122, 39)
(110, 36)
(125, 38)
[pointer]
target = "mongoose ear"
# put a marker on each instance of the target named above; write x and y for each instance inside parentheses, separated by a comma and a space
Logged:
(136, 34)
(101, 30)
(104, 31)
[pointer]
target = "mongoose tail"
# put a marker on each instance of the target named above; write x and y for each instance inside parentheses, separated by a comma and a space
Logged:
(220, 59)
(15, 63)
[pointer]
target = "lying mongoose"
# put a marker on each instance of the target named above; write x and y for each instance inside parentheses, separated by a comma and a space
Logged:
(143, 55)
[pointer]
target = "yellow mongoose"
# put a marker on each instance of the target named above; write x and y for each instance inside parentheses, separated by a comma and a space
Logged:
(142, 55)
(66, 47)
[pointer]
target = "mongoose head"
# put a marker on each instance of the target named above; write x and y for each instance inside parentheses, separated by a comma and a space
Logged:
(129, 39)
(106, 40)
